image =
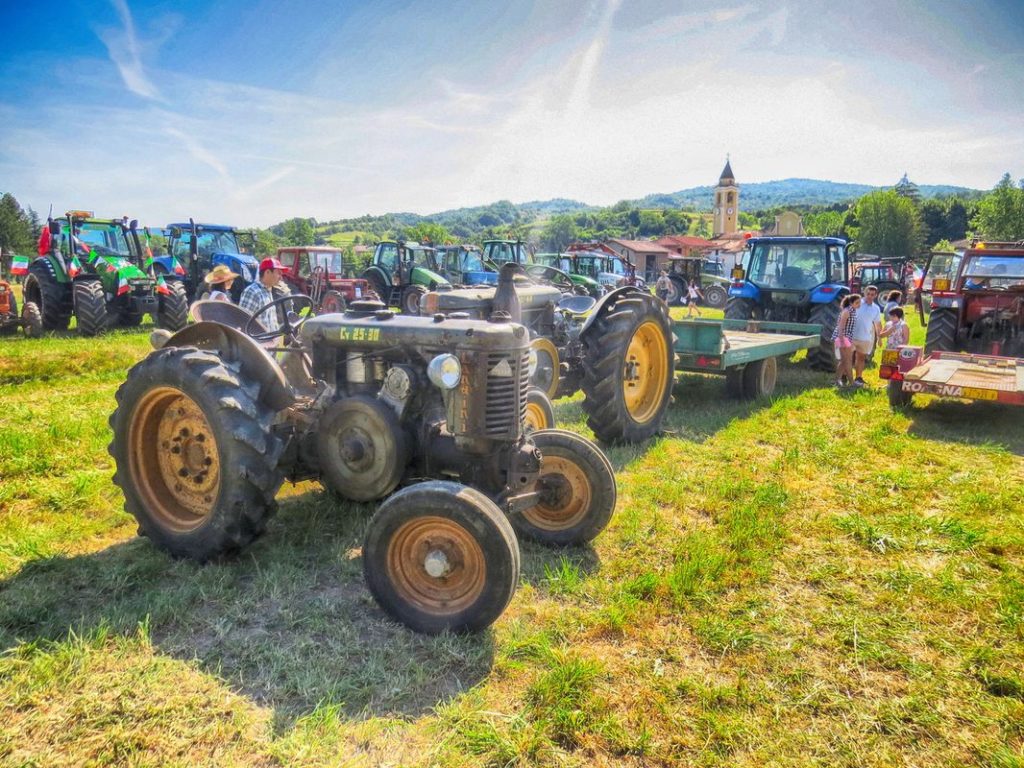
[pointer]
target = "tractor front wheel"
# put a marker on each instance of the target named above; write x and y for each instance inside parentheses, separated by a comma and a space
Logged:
(32, 320)
(629, 366)
(441, 556)
(740, 309)
(577, 487)
(53, 298)
(195, 454)
(540, 414)
(91, 307)
(411, 299)
(173, 310)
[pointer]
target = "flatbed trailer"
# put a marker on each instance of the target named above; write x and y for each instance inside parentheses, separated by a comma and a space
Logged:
(951, 374)
(744, 351)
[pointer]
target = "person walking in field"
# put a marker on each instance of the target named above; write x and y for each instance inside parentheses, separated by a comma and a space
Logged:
(843, 338)
(663, 286)
(693, 293)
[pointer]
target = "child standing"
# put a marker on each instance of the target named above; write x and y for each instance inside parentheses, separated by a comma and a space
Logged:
(843, 338)
(896, 331)
(692, 294)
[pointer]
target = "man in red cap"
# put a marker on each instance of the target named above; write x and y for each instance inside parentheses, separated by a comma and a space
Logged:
(260, 293)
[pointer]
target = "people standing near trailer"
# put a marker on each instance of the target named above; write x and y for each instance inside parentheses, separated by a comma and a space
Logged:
(896, 331)
(693, 293)
(843, 338)
(865, 333)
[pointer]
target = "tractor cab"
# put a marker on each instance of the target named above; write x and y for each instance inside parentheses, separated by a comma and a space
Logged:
(500, 252)
(201, 247)
(465, 265)
(791, 271)
(402, 272)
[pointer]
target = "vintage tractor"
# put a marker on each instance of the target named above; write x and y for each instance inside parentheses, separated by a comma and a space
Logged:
(209, 425)
(320, 273)
(31, 320)
(977, 302)
(402, 272)
(579, 342)
(886, 274)
(92, 269)
(683, 269)
(792, 279)
(201, 247)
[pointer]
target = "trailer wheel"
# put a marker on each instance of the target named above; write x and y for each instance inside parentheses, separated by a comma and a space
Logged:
(441, 556)
(759, 378)
(362, 447)
(628, 369)
(91, 307)
(942, 331)
(823, 356)
(577, 484)
(898, 399)
(540, 414)
(32, 319)
(195, 455)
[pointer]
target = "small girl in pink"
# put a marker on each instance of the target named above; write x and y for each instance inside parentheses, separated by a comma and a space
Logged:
(896, 330)
(843, 338)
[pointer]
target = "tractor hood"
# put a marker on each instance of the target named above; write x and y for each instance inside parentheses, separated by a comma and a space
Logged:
(242, 263)
(124, 268)
(428, 278)
(479, 300)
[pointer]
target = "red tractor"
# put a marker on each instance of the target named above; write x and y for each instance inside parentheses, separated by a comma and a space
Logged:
(320, 273)
(30, 318)
(977, 301)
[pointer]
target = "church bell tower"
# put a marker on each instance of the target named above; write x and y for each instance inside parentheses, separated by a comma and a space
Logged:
(727, 202)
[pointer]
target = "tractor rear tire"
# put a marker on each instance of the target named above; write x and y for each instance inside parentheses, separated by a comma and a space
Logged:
(55, 301)
(440, 556)
(676, 291)
(759, 378)
(91, 307)
(578, 486)
(32, 320)
(716, 296)
(411, 299)
(362, 447)
(898, 399)
(941, 335)
(628, 369)
(740, 309)
(378, 286)
(540, 414)
(172, 313)
(195, 454)
(332, 302)
(823, 356)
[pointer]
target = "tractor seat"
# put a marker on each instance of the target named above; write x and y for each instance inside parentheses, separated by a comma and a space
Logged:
(792, 277)
(225, 313)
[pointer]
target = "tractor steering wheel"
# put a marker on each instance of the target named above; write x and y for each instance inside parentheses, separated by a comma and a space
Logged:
(552, 275)
(287, 329)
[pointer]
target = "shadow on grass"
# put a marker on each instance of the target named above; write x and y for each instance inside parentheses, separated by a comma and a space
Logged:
(289, 623)
(969, 423)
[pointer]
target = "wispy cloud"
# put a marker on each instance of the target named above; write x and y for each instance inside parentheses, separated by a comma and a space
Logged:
(198, 151)
(126, 52)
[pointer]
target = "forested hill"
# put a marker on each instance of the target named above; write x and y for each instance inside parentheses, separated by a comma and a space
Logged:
(785, 192)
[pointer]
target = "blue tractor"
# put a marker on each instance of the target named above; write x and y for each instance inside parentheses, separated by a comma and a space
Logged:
(201, 247)
(794, 279)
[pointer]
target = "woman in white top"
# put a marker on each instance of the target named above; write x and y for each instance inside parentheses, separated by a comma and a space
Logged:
(692, 294)
(219, 280)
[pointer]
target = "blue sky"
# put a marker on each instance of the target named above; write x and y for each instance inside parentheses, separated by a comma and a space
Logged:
(253, 112)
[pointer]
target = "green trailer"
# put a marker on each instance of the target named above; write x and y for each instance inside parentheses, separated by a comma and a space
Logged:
(744, 351)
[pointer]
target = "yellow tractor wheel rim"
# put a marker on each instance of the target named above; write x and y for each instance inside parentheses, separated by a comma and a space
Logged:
(544, 347)
(645, 374)
(536, 418)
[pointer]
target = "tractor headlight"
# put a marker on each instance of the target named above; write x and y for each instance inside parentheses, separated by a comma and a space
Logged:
(531, 363)
(445, 371)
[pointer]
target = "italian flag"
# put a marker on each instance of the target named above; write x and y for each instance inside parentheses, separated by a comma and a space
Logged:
(178, 269)
(161, 286)
(19, 265)
(122, 285)
(75, 266)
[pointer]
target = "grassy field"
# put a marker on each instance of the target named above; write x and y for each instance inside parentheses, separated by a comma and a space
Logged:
(813, 580)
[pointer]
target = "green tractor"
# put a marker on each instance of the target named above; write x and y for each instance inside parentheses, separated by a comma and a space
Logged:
(584, 280)
(424, 414)
(90, 268)
(402, 272)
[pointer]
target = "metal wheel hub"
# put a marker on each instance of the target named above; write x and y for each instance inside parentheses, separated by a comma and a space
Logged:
(436, 564)
(645, 372)
(565, 495)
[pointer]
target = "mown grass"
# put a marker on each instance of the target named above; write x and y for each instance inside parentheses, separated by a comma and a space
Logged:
(811, 580)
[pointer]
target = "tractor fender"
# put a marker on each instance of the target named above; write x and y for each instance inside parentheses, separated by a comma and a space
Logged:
(233, 346)
(746, 291)
(607, 304)
(828, 292)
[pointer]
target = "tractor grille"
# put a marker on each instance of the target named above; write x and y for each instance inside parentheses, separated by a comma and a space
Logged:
(507, 386)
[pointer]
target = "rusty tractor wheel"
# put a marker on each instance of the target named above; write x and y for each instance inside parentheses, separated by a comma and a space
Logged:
(441, 556)
(540, 414)
(577, 486)
(331, 303)
(195, 455)
(546, 373)
(362, 447)
(629, 368)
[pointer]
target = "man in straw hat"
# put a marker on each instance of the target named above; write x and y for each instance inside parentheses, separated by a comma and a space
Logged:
(220, 279)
